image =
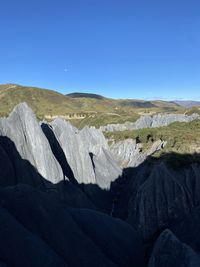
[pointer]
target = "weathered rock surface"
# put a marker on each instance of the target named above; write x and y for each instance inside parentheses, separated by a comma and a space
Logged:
(170, 252)
(71, 174)
(87, 154)
(158, 120)
(75, 150)
(26, 157)
(22, 128)
(93, 137)
(129, 153)
(161, 196)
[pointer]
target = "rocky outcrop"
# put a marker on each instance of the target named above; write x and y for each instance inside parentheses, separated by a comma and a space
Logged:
(161, 196)
(87, 154)
(75, 150)
(21, 130)
(170, 252)
(158, 120)
(26, 157)
(129, 153)
(55, 180)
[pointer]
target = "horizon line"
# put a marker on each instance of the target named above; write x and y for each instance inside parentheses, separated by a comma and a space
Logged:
(155, 98)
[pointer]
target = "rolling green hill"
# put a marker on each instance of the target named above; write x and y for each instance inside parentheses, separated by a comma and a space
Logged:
(80, 108)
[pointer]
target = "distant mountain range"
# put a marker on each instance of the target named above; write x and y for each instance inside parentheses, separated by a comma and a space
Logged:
(139, 103)
(187, 103)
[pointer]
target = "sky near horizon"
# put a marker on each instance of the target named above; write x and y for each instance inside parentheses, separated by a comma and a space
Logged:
(118, 48)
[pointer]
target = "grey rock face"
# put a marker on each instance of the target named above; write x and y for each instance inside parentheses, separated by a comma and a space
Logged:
(158, 120)
(93, 137)
(22, 128)
(142, 122)
(129, 153)
(170, 252)
(125, 151)
(162, 196)
(87, 153)
(105, 167)
(75, 150)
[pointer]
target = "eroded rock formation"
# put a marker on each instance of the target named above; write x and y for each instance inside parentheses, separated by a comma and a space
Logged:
(57, 183)
(147, 121)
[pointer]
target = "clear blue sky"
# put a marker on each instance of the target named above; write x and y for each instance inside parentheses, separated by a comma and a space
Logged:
(118, 48)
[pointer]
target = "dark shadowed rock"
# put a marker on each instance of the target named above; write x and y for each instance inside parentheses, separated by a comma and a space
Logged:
(21, 248)
(79, 237)
(161, 196)
(7, 173)
(2, 264)
(170, 252)
(188, 229)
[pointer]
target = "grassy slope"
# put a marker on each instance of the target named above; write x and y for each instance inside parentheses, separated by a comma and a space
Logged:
(40, 100)
(96, 111)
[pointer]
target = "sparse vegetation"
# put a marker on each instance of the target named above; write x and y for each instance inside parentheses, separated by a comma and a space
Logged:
(183, 138)
(104, 118)
(193, 110)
